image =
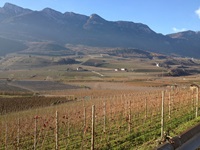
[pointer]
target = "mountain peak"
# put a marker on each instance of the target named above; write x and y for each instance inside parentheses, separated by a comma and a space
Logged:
(14, 9)
(52, 13)
(184, 34)
(96, 17)
(10, 6)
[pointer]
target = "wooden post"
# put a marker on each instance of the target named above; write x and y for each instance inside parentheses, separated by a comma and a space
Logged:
(84, 126)
(68, 124)
(83, 102)
(6, 136)
(145, 109)
(57, 132)
(129, 117)
(197, 101)
(104, 113)
(93, 127)
(162, 115)
(18, 133)
(169, 105)
(84, 115)
(172, 100)
(192, 100)
(35, 134)
(110, 107)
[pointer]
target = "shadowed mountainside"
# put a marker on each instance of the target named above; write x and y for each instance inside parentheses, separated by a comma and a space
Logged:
(25, 25)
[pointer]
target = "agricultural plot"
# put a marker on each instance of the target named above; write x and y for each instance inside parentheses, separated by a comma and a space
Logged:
(26, 67)
(120, 121)
(42, 85)
(26, 102)
(5, 87)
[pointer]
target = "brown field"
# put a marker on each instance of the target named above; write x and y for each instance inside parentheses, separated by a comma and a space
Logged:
(5, 86)
(128, 104)
(42, 85)
(123, 119)
(16, 104)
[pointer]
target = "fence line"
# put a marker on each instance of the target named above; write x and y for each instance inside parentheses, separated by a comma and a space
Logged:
(102, 122)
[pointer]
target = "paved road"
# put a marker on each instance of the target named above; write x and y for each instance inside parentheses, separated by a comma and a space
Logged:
(191, 144)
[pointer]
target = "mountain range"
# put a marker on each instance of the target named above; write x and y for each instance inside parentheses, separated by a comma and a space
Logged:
(20, 26)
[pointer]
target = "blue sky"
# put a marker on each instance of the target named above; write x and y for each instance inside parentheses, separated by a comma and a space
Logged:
(162, 16)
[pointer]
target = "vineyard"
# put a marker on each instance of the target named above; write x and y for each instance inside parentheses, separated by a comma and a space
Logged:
(135, 120)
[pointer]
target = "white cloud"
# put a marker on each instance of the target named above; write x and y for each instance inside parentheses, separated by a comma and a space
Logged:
(178, 30)
(198, 12)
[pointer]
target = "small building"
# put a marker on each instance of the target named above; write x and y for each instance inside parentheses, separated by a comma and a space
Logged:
(79, 69)
(123, 69)
(120, 69)
(117, 69)
(157, 65)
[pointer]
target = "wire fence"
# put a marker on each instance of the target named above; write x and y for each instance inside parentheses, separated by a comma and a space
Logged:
(121, 121)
